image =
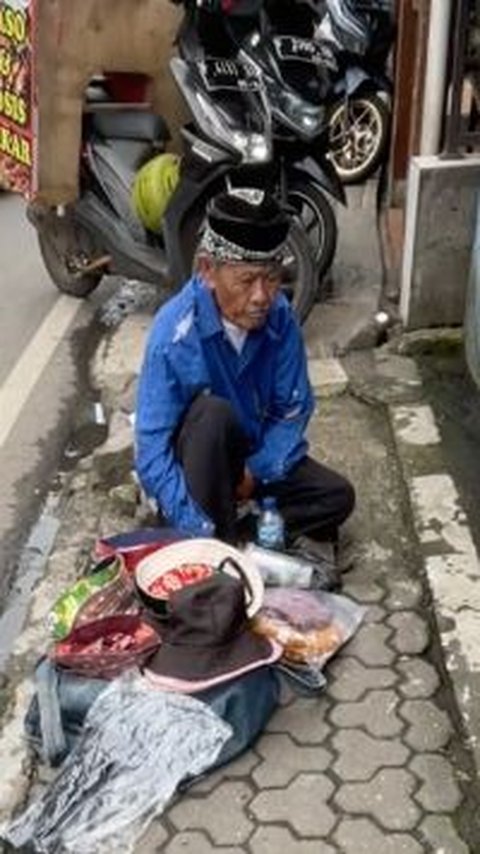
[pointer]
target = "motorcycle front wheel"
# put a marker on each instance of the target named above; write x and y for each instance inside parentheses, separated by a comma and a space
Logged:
(358, 136)
(300, 272)
(318, 220)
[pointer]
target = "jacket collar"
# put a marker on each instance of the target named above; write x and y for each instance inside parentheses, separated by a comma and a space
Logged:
(209, 317)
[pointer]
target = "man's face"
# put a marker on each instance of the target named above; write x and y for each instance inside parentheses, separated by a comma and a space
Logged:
(244, 292)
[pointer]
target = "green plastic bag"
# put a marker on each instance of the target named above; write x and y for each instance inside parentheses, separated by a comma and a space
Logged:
(106, 591)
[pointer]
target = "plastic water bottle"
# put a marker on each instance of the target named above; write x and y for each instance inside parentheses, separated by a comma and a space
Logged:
(270, 526)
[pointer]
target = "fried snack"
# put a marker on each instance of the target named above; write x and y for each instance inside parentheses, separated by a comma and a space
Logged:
(298, 646)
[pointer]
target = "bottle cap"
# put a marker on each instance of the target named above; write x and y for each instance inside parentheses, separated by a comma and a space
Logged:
(269, 502)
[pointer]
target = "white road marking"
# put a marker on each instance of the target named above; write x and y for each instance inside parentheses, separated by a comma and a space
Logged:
(21, 381)
(454, 581)
(439, 514)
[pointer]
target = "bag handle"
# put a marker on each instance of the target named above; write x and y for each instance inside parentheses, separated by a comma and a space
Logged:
(230, 561)
(54, 740)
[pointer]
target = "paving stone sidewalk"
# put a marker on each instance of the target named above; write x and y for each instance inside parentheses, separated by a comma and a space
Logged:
(375, 764)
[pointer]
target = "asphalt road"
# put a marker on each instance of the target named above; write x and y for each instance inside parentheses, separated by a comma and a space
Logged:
(26, 295)
(38, 379)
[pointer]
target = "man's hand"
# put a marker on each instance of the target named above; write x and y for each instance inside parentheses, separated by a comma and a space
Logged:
(246, 487)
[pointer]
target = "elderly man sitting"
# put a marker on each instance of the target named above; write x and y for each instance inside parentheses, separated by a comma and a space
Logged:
(224, 397)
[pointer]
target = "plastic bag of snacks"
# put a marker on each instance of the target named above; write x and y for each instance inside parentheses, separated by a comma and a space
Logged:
(311, 625)
(107, 590)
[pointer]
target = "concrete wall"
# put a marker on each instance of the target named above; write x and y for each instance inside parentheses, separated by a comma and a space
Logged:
(439, 229)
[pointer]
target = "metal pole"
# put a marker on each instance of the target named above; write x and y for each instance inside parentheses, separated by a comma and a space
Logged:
(453, 130)
(436, 76)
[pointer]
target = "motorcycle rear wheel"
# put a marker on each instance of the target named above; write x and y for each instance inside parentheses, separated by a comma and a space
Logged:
(358, 136)
(318, 219)
(64, 246)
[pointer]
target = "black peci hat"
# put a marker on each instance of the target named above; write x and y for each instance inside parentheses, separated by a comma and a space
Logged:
(245, 226)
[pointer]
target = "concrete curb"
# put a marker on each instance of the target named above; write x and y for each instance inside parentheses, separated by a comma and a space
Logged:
(327, 376)
(448, 554)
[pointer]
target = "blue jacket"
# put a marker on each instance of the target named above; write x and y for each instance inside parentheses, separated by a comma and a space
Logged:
(267, 385)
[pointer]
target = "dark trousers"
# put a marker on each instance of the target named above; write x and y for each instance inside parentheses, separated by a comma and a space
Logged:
(212, 449)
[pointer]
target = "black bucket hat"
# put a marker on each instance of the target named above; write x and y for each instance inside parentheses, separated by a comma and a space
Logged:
(207, 639)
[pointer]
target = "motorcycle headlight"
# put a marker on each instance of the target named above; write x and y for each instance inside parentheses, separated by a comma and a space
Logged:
(254, 147)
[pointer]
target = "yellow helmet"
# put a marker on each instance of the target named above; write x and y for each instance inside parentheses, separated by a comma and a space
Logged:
(153, 187)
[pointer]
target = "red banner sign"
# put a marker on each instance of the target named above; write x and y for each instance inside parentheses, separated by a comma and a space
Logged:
(17, 103)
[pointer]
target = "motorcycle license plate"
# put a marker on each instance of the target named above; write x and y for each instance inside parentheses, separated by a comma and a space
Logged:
(304, 50)
(227, 74)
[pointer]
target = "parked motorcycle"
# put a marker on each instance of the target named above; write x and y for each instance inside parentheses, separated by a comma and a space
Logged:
(335, 52)
(358, 34)
(100, 233)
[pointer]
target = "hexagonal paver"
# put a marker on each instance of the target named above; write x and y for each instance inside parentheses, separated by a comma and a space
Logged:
(361, 756)
(440, 833)
(375, 614)
(272, 840)
(221, 814)
(351, 679)
(420, 678)
(304, 720)
(411, 635)
(194, 842)
(361, 836)
(283, 760)
(377, 713)
(236, 769)
(302, 805)
(388, 797)
(404, 593)
(439, 791)
(430, 728)
(369, 646)
(363, 592)
(152, 840)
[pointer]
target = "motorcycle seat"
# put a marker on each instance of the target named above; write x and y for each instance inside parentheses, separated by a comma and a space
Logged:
(130, 124)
